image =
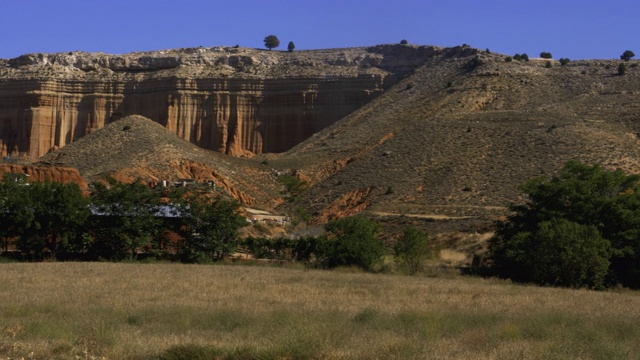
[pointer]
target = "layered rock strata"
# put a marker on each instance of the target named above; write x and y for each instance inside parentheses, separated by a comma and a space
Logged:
(233, 100)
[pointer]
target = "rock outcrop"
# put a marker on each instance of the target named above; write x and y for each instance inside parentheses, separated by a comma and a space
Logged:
(233, 100)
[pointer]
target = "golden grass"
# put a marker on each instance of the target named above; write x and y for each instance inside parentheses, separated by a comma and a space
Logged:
(144, 311)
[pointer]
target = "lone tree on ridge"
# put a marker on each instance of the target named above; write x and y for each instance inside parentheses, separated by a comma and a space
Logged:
(627, 55)
(291, 46)
(271, 42)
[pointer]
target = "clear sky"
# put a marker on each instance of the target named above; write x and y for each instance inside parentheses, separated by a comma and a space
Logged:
(576, 29)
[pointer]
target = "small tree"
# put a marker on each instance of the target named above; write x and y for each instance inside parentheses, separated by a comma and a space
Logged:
(209, 226)
(125, 218)
(517, 57)
(548, 65)
(403, 42)
(271, 42)
(508, 59)
(356, 243)
(564, 61)
(627, 55)
(411, 249)
(622, 69)
(291, 46)
(525, 57)
(546, 55)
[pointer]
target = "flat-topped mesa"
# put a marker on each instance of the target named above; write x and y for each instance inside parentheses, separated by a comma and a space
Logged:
(234, 100)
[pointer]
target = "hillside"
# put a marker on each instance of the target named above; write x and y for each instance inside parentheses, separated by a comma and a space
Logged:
(459, 136)
(136, 147)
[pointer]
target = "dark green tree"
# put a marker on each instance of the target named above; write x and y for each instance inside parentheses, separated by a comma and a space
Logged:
(586, 198)
(546, 55)
(356, 243)
(627, 55)
(564, 61)
(517, 57)
(59, 212)
(548, 65)
(403, 42)
(271, 42)
(291, 46)
(126, 218)
(525, 57)
(411, 249)
(622, 69)
(209, 227)
(16, 213)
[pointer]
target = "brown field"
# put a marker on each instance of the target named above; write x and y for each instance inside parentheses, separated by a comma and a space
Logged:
(174, 311)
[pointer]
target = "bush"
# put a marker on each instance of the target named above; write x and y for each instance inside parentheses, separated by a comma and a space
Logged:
(525, 57)
(508, 59)
(355, 243)
(584, 215)
(411, 249)
(517, 57)
(548, 65)
(404, 42)
(291, 46)
(546, 55)
(564, 61)
(622, 69)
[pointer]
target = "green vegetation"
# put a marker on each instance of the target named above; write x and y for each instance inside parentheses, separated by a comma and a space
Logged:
(622, 69)
(209, 227)
(548, 65)
(412, 249)
(355, 243)
(508, 59)
(126, 218)
(627, 55)
(525, 57)
(546, 55)
(578, 229)
(118, 221)
(271, 42)
(291, 46)
(403, 42)
(564, 61)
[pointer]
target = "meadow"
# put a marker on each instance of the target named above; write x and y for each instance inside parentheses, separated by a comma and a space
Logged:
(177, 311)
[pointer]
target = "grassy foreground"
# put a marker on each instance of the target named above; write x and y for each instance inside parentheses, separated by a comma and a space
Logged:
(175, 311)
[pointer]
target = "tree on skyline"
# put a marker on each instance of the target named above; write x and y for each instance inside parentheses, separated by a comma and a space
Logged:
(627, 55)
(271, 42)
(291, 46)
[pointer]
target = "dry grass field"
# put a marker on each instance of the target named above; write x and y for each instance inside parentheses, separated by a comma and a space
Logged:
(174, 311)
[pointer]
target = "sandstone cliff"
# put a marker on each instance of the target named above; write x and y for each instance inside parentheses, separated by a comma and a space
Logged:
(233, 100)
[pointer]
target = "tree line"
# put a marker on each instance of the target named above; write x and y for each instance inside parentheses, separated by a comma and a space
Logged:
(129, 221)
(117, 221)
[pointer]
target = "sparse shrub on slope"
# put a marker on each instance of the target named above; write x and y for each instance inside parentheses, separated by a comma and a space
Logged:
(546, 55)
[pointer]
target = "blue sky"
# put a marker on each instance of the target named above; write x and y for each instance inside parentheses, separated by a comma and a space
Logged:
(574, 29)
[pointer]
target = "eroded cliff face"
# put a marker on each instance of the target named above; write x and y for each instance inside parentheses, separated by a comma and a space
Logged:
(233, 100)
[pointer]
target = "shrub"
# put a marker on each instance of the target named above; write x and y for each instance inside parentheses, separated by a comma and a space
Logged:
(525, 57)
(508, 59)
(546, 55)
(564, 61)
(411, 249)
(622, 69)
(291, 46)
(548, 65)
(404, 42)
(355, 243)
(517, 57)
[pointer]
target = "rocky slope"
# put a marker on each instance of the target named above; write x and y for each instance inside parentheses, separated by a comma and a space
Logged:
(137, 148)
(237, 101)
(457, 138)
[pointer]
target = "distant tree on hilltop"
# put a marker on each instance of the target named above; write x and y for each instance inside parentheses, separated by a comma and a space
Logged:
(404, 42)
(627, 55)
(291, 46)
(546, 55)
(271, 42)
